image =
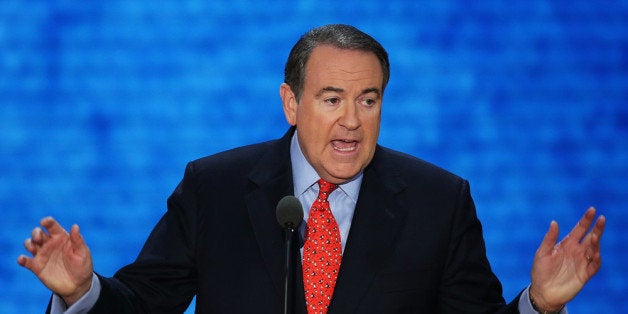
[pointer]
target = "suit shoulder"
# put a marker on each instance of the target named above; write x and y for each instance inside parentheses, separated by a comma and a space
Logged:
(232, 161)
(412, 168)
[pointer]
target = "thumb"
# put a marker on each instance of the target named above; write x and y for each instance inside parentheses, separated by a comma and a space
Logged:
(547, 246)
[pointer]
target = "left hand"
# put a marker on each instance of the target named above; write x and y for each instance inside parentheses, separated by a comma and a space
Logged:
(560, 270)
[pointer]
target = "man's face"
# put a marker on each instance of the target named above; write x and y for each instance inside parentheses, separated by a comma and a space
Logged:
(339, 114)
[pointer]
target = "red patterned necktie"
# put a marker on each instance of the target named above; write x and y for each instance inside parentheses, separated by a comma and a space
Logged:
(322, 252)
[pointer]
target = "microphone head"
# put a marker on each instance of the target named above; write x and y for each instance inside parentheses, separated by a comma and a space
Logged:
(289, 212)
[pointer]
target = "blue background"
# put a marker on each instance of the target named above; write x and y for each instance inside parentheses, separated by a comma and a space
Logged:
(102, 103)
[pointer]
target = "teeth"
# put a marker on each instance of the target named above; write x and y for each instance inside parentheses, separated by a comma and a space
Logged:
(348, 149)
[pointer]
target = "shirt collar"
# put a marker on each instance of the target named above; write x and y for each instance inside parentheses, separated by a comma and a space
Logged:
(304, 175)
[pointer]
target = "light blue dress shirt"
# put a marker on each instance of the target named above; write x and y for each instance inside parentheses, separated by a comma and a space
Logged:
(342, 202)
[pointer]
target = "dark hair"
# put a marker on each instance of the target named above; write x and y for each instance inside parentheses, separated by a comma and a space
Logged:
(337, 35)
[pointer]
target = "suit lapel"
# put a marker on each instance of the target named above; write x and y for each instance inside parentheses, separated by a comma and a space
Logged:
(270, 181)
(377, 219)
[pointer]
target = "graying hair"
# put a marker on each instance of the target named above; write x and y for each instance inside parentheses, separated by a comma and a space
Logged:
(337, 35)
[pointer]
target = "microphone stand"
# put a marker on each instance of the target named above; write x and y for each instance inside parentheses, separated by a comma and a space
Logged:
(289, 216)
(288, 234)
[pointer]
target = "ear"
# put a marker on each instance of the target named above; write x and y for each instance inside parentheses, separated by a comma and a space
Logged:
(289, 103)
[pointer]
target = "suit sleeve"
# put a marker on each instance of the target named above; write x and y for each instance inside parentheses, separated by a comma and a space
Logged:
(163, 277)
(468, 284)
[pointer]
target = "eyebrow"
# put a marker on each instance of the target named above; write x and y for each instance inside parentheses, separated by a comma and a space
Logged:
(372, 90)
(340, 90)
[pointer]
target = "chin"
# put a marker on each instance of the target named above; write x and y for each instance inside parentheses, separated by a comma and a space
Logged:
(344, 176)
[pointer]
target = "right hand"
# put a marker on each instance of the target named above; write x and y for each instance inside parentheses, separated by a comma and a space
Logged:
(61, 260)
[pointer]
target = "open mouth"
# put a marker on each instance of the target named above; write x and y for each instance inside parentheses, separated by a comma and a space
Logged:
(344, 145)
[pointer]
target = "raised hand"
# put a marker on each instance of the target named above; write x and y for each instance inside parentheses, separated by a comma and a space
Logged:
(61, 260)
(560, 270)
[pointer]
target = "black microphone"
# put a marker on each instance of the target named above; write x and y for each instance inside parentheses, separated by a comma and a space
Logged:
(289, 212)
(289, 216)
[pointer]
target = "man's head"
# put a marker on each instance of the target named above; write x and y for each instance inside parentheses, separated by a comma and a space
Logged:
(337, 35)
(337, 109)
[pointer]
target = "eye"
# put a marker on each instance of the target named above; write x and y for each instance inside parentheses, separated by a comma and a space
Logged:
(368, 102)
(333, 101)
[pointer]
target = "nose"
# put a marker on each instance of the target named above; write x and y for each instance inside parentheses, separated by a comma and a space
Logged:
(349, 118)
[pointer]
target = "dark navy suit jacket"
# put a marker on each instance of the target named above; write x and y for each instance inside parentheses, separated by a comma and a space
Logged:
(415, 244)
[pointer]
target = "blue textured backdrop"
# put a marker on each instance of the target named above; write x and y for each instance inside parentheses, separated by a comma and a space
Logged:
(102, 104)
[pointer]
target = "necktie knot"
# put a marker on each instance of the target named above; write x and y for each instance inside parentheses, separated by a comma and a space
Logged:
(324, 189)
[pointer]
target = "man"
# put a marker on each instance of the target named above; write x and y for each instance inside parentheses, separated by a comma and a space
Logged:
(387, 233)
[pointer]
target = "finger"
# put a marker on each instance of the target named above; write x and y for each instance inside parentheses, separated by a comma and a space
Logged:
(76, 238)
(53, 227)
(581, 228)
(29, 246)
(595, 245)
(547, 246)
(24, 261)
(596, 260)
(38, 236)
(598, 229)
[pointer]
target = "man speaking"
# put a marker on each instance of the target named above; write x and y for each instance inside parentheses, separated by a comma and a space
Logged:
(382, 231)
